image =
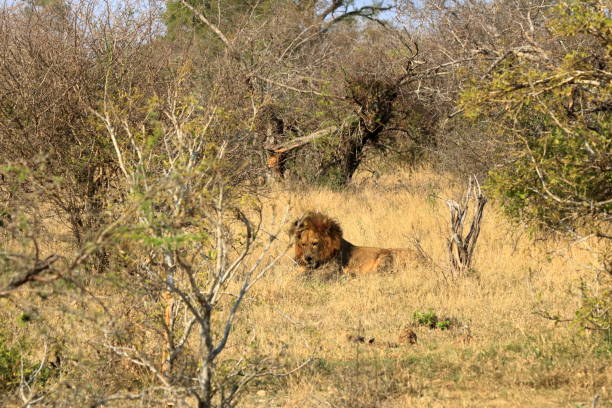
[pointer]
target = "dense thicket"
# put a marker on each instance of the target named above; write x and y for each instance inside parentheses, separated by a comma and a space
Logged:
(449, 83)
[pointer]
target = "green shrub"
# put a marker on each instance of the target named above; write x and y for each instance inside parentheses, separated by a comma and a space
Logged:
(12, 362)
(594, 313)
(552, 112)
(430, 319)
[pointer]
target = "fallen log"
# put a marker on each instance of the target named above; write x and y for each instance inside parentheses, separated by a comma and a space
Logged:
(300, 141)
(277, 151)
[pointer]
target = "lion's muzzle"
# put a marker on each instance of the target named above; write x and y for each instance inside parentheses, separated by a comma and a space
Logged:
(311, 262)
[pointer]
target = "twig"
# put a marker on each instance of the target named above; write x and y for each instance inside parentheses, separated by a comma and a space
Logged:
(32, 274)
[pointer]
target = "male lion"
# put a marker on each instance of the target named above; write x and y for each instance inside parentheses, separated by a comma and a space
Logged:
(318, 242)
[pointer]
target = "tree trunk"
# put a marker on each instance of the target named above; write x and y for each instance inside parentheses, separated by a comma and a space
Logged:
(205, 376)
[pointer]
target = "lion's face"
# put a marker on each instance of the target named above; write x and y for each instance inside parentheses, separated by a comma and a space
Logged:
(309, 249)
(317, 240)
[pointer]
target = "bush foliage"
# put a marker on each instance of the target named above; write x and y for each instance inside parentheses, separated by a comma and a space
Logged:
(553, 110)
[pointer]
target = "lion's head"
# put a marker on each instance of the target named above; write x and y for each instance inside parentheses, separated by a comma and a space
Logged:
(318, 239)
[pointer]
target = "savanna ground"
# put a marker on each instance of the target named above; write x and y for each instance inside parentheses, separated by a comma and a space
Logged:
(497, 352)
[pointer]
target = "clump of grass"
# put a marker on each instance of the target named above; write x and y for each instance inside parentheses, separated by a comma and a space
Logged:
(430, 319)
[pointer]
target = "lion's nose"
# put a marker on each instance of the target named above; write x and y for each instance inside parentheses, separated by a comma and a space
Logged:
(308, 259)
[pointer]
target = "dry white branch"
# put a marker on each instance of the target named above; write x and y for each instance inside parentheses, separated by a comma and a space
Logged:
(461, 248)
(26, 392)
(210, 25)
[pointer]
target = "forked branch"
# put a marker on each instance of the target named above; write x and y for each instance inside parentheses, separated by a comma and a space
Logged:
(461, 248)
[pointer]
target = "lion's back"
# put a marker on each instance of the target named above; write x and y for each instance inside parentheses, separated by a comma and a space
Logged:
(365, 260)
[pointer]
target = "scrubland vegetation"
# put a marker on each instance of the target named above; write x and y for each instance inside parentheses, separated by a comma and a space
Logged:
(153, 155)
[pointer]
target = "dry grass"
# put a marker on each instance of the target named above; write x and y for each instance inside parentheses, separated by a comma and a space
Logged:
(497, 354)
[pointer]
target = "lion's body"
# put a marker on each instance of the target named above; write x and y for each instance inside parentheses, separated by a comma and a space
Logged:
(364, 260)
(318, 242)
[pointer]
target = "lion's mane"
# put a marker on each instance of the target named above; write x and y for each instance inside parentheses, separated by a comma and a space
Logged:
(325, 228)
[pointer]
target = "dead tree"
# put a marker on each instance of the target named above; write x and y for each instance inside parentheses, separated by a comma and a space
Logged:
(460, 247)
(192, 194)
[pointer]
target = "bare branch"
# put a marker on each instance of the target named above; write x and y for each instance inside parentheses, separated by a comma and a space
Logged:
(301, 141)
(367, 12)
(30, 275)
(210, 25)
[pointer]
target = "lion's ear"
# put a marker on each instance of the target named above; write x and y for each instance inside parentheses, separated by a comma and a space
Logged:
(293, 228)
(297, 226)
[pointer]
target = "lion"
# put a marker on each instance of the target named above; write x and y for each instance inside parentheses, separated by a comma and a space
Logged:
(318, 241)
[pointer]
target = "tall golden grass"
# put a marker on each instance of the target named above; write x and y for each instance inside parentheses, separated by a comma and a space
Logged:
(498, 351)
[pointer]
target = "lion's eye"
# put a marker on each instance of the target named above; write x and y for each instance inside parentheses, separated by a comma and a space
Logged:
(314, 244)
